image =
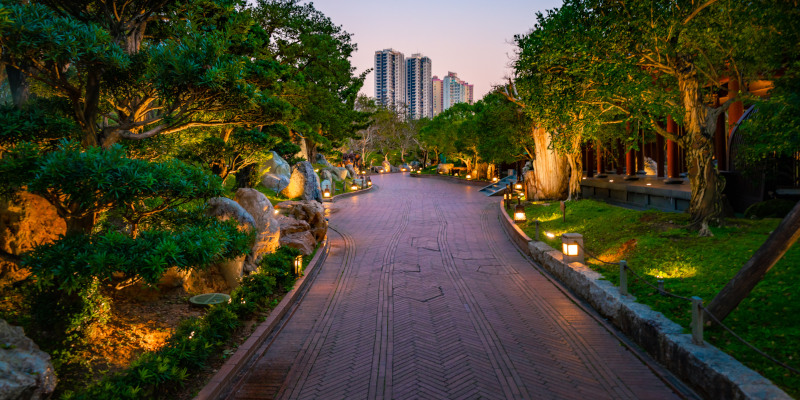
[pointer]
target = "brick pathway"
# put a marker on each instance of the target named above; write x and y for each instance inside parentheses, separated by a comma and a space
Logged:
(423, 296)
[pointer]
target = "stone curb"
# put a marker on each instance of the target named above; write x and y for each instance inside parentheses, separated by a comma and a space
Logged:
(453, 179)
(349, 194)
(222, 379)
(712, 373)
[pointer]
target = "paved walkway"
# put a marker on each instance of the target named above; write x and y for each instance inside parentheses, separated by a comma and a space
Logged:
(423, 296)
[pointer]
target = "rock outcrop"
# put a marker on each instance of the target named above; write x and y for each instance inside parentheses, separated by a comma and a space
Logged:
(297, 234)
(351, 171)
(268, 231)
(275, 173)
(387, 167)
(304, 183)
(311, 212)
(25, 371)
(444, 168)
(320, 159)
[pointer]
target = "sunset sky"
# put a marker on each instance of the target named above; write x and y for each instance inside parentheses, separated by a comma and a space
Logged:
(473, 38)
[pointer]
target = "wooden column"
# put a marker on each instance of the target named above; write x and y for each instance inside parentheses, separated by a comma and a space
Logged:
(660, 155)
(673, 169)
(736, 109)
(600, 168)
(640, 154)
(620, 157)
(589, 161)
(721, 143)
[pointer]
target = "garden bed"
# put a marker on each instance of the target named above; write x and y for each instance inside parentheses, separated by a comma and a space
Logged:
(656, 244)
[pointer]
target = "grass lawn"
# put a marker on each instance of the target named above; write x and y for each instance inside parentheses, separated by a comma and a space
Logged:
(656, 244)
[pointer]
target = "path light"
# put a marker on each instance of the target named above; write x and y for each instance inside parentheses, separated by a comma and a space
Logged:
(326, 193)
(519, 213)
(298, 265)
(369, 181)
(572, 247)
(469, 176)
(518, 185)
(494, 179)
(354, 187)
(402, 169)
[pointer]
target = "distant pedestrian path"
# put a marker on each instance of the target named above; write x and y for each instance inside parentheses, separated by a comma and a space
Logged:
(423, 296)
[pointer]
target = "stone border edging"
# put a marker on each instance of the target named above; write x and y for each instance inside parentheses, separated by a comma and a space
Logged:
(350, 194)
(472, 182)
(244, 353)
(708, 370)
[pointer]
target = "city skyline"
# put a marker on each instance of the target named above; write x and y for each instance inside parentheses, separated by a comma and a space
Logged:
(471, 37)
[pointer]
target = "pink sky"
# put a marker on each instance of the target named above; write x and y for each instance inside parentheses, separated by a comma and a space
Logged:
(472, 38)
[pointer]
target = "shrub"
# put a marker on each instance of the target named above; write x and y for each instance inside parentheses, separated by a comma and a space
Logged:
(281, 265)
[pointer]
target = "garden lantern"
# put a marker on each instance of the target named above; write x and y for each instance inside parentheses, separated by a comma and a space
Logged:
(494, 179)
(354, 187)
(518, 185)
(519, 213)
(572, 247)
(469, 176)
(369, 181)
(326, 193)
(298, 265)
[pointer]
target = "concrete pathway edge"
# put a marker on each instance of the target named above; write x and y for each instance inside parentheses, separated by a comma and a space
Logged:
(709, 371)
(244, 353)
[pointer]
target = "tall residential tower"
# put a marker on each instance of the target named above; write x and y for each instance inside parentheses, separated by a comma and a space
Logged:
(390, 78)
(418, 87)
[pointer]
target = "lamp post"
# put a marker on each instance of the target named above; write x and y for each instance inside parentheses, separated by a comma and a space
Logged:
(298, 265)
(518, 184)
(326, 193)
(519, 214)
(572, 247)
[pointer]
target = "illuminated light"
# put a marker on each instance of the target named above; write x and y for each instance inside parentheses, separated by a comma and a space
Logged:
(649, 184)
(494, 179)
(611, 180)
(354, 187)
(369, 182)
(276, 212)
(403, 169)
(550, 235)
(519, 213)
(326, 194)
(518, 186)
(469, 176)
(572, 247)
(298, 265)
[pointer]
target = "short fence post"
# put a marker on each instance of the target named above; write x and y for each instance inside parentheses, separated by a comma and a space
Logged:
(537, 230)
(697, 321)
(623, 277)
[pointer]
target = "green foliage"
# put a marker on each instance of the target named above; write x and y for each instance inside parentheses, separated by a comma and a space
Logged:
(71, 261)
(774, 208)
(657, 243)
(253, 293)
(40, 120)
(281, 266)
(244, 147)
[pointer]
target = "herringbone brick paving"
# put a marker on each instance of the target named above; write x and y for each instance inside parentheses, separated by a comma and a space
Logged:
(424, 297)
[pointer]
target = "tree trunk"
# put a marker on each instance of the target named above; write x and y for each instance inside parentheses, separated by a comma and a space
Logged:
(575, 161)
(706, 203)
(773, 249)
(19, 85)
(549, 167)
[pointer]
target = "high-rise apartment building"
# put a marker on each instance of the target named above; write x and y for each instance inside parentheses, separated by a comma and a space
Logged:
(438, 96)
(419, 92)
(390, 78)
(455, 90)
(470, 94)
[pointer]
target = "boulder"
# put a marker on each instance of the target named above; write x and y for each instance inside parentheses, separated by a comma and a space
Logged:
(277, 166)
(27, 221)
(377, 169)
(326, 184)
(386, 166)
(25, 371)
(414, 164)
(304, 183)
(358, 182)
(339, 172)
(290, 225)
(311, 212)
(320, 159)
(351, 171)
(444, 168)
(268, 231)
(394, 169)
(275, 182)
(303, 241)
(326, 175)
(224, 276)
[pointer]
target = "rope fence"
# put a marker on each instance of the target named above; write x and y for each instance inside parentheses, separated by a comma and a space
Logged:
(697, 309)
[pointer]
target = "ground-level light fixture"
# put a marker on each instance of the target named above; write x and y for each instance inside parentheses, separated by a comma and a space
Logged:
(326, 193)
(494, 179)
(403, 169)
(572, 247)
(369, 181)
(298, 265)
(469, 176)
(353, 187)
(518, 184)
(519, 213)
